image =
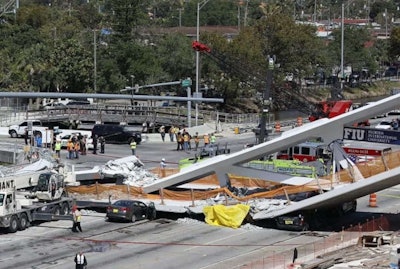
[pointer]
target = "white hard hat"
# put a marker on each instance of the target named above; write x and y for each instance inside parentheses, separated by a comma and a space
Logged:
(163, 159)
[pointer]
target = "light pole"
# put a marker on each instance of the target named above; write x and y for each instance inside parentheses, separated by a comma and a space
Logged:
(342, 51)
(200, 5)
(94, 62)
(386, 24)
(132, 78)
(266, 101)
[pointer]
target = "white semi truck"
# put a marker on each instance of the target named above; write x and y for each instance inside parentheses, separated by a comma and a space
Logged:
(25, 198)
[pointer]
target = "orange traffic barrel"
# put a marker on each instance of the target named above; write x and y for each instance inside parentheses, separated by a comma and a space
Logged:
(299, 121)
(372, 200)
(277, 127)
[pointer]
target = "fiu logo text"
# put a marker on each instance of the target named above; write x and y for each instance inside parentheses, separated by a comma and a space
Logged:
(354, 134)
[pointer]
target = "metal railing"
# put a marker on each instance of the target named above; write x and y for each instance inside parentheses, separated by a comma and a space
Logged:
(10, 115)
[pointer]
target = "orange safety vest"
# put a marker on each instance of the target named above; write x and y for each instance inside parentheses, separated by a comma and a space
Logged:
(70, 146)
(206, 139)
(77, 146)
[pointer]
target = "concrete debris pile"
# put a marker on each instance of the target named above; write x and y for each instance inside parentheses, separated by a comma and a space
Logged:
(266, 205)
(131, 169)
(189, 221)
(41, 164)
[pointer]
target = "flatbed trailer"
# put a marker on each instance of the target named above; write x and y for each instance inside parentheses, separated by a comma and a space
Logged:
(18, 214)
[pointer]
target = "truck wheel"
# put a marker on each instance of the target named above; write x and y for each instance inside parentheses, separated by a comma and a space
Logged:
(23, 222)
(57, 211)
(13, 224)
(13, 134)
(65, 209)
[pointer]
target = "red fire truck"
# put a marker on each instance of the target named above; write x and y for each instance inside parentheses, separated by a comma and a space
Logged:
(304, 152)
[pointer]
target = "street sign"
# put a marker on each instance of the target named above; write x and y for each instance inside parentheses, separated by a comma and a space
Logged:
(186, 83)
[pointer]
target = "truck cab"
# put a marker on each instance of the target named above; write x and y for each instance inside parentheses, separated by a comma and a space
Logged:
(18, 130)
(11, 216)
(7, 202)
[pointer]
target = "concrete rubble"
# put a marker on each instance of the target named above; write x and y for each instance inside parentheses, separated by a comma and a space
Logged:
(131, 169)
(134, 173)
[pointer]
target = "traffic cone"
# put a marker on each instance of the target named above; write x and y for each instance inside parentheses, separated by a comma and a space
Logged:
(372, 200)
(299, 121)
(277, 127)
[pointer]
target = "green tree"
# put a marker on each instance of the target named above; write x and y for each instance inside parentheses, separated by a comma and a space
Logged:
(126, 15)
(356, 51)
(394, 44)
(176, 56)
(74, 66)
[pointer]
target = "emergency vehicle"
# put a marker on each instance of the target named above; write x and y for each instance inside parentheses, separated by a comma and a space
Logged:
(304, 152)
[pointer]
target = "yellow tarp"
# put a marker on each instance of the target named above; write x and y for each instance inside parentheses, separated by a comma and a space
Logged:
(229, 216)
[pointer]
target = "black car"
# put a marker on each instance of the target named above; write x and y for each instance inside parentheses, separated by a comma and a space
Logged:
(295, 222)
(131, 210)
(118, 134)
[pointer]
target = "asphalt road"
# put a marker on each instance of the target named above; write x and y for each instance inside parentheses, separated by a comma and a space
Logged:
(145, 245)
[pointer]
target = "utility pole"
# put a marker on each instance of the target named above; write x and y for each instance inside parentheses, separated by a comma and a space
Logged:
(315, 11)
(180, 17)
(266, 101)
(94, 62)
(342, 50)
(246, 13)
(386, 24)
(200, 5)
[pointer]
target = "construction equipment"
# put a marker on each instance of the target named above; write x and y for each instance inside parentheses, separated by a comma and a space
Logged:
(289, 167)
(333, 108)
(32, 196)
